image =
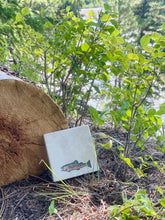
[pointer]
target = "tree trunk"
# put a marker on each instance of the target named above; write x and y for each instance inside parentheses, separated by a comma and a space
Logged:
(26, 113)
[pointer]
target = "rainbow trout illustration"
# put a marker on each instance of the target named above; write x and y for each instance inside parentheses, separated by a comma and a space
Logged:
(75, 165)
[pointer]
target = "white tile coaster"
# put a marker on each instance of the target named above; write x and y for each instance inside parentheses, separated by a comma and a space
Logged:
(71, 152)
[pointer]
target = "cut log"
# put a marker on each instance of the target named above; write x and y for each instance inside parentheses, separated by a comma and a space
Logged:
(26, 113)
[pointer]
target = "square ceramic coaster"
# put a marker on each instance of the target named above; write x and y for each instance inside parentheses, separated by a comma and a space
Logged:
(71, 152)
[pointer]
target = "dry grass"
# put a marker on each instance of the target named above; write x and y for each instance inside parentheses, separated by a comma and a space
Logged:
(81, 207)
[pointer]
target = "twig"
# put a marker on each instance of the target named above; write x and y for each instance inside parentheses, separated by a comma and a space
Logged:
(3, 203)
(18, 204)
(59, 216)
(40, 178)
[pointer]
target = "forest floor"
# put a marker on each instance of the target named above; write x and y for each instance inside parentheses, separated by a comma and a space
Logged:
(86, 197)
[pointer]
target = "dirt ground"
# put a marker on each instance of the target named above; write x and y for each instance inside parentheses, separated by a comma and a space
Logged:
(86, 197)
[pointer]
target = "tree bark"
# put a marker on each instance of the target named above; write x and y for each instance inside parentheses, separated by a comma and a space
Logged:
(26, 113)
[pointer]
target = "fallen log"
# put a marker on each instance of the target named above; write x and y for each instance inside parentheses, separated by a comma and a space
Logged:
(26, 113)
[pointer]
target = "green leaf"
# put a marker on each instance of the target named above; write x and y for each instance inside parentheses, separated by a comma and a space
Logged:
(85, 47)
(96, 89)
(20, 26)
(42, 11)
(85, 32)
(100, 122)
(155, 36)
(141, 194)
(110, 28)
(128, 81)
(19, 18)
(114, 22)
(67, 8)
(163, 26)
(144, 41)
(133, 138)
(114, 209)
(141, 59)
(91, 13)
(105, 18)
(132, 56)
(151, 112)
(104, 77)
(109, 55)
(25, 11)
(38, 51)
(120, 40)
(107, 7)
(161, 138)
(161, 54)
(107, 145)
(139, 172)
(148, 49)
(38, 66)
(146, 135)
(163, 149)
(160, 190)
(159, 120)
(120, 148)
(128, 113)
(124, 118)
(116, 33)
(127, 160)
(162, 201)
(51, 208)
(49, 25)
(94, 113)
(49, 70)
(124, 198)
(161, 110)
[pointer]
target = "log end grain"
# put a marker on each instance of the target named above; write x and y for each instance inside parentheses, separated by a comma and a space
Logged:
(26, 113)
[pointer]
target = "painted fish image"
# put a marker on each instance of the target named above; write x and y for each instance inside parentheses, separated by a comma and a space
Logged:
(75, 165)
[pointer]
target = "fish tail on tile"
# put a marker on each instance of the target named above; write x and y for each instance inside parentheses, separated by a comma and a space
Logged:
(89, 163)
